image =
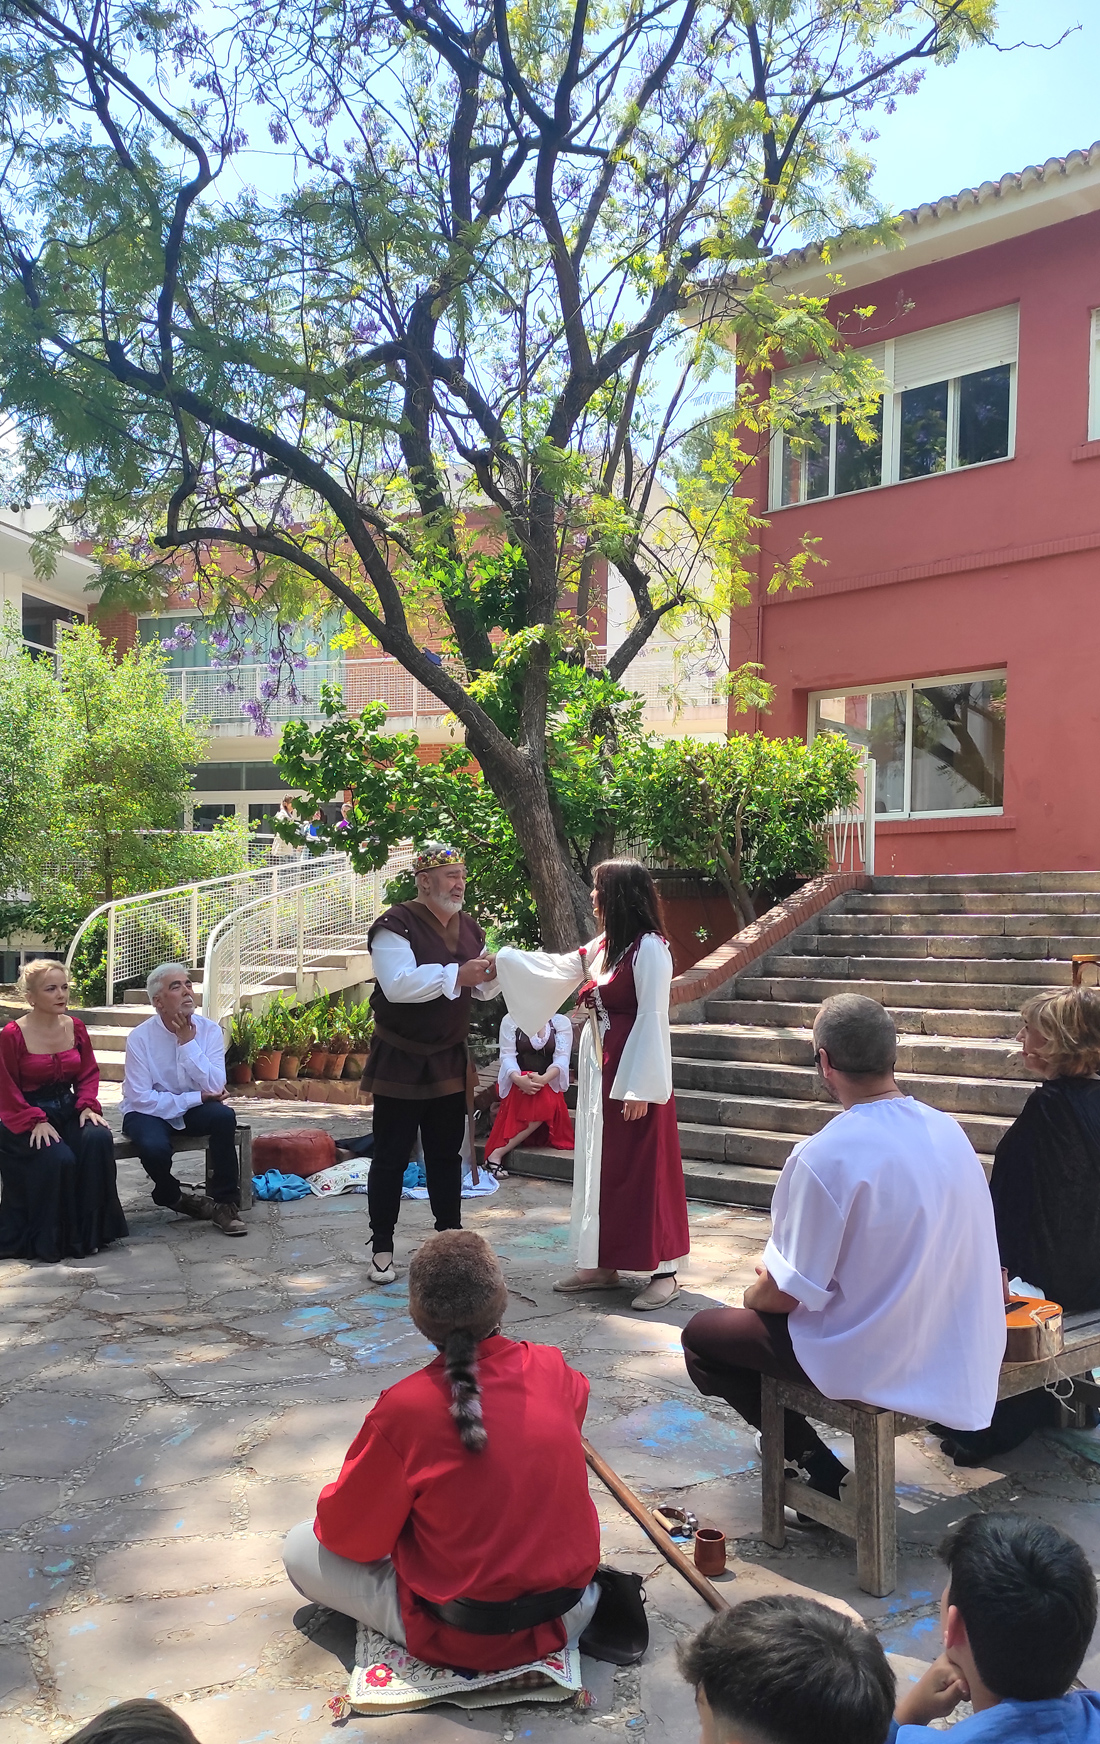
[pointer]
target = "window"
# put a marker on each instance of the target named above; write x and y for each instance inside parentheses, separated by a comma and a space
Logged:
(949, 403)
(938, 744)
(42, 620)
(207, 817)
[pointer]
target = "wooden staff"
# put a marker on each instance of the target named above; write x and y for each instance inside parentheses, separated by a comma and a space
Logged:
(665, 1544)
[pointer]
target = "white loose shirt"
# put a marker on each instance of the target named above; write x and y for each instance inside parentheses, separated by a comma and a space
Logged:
(882, 1228)
(165, 1078)
(407, 982)
(559, 1029)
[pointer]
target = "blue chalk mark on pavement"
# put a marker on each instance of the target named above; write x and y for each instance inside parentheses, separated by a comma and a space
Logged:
(678, 1429)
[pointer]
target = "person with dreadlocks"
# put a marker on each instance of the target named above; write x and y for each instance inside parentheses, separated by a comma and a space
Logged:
(629, 1201)
(430, 1534)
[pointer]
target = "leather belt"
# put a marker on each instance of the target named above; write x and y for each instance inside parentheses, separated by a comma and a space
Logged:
(505, 1616)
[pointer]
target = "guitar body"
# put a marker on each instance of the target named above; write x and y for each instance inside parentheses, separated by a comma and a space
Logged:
(1034, 1329)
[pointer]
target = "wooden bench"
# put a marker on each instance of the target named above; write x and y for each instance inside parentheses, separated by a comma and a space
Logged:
(189, 1141)
(871, 1518)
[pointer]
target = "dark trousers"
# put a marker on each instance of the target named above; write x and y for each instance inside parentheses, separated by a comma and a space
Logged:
(152, 1139)
(442, 1124)
(728, 1349)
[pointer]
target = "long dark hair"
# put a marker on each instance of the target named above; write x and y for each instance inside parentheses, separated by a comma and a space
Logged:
(629, 903)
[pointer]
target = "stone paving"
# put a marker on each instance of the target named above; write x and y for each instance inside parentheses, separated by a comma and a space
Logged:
(171, 1406)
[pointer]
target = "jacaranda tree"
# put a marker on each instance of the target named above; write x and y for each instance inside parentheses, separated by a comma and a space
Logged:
(401, 304)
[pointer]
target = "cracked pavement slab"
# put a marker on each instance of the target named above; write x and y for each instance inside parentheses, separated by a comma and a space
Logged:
(170, 1408)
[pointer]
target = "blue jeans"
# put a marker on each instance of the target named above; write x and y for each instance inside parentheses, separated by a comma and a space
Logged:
(152, 1139)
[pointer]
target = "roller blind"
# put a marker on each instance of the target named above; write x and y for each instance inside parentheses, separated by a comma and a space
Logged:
(957, 348)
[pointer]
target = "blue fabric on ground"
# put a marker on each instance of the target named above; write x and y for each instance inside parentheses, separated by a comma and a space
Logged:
(1069, 1719)
(415, 1176)
(275, 1185)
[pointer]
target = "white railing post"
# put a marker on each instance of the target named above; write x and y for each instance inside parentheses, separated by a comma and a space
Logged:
(299, 957)
(236, 967)
(193, 940)
(274, 907)
(110, 976)
(869, 774)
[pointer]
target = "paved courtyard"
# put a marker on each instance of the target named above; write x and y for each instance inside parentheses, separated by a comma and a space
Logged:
(170, 1407)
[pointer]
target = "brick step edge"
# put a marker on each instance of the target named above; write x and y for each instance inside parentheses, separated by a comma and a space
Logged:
(715, 971)
(335, 1090)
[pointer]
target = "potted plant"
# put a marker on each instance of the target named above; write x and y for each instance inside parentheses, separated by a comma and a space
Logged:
(297, 1031)
(320, 1023)
(339, 1042)
(269, 1051)
(360, 1026)
(244, 1045)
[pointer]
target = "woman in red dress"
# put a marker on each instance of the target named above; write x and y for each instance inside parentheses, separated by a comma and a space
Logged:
(532, 1080)
(629, 1200)
(59, 1196)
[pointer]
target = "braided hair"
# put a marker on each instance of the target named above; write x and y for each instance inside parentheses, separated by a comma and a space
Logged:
(457, 1297)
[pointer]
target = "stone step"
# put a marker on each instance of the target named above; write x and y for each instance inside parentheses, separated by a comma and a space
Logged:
(974, 902)
(981, 971)
(934, 1056)
(986, 948)
(764, 1114)
(999, 881)
(915, 994)
(138, 995)
(114, 1019)
(1082, 927)
(712, 1183)
(912, 1019)
(1000, 1098)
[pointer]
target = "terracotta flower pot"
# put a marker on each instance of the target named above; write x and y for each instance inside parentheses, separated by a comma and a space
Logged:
(266, 1065)
(354, 1065)
(316, 1062)
(290, 1065)
(334, 1065)
(710, 1551)
(240, 1073)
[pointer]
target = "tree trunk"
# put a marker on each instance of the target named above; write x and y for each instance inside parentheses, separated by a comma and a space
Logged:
(561, 899)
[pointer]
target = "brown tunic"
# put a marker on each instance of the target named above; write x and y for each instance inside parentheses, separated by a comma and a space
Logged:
(532, 1059)
(419, 1050)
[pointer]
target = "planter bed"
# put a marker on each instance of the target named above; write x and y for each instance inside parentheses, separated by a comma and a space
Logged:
(344, 1090)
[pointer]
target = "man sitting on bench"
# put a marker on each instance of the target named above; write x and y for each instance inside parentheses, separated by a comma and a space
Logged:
(881, 1282)
(174, 1082)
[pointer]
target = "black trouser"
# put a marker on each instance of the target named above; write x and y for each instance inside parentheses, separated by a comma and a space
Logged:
(728, 1349)
(152, 1139)
(442, 1124)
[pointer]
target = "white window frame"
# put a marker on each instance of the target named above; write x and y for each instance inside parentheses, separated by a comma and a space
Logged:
(1094, 377)
(891, 427)
(909, 685)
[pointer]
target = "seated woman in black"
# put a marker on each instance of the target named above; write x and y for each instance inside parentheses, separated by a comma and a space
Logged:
(1046, 1190)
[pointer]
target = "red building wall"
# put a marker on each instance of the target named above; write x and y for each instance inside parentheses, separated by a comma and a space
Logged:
(992, 566)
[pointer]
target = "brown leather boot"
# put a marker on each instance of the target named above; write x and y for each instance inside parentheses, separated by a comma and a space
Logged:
(195, 1205)
(226, 1218)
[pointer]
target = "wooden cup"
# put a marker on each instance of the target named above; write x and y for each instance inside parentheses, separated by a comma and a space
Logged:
(710, 1551)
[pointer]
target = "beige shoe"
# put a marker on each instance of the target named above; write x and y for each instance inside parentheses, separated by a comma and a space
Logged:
(574, 1283)
(658, 1293)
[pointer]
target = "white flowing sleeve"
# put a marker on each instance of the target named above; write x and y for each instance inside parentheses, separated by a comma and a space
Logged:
(508, 1061)
(807, 1236)
(563, 1049)
(645, 1068)
(535, 983)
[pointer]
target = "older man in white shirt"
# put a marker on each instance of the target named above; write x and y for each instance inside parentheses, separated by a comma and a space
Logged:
(881, 1281)
(429, 962)
(175, 1082)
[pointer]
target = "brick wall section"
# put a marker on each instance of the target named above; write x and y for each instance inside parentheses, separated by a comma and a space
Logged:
(715, 971)
(117, 627)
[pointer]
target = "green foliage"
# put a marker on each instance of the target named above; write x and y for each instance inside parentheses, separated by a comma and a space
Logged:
(245, 1040)
(28, 734)
(359, 1023)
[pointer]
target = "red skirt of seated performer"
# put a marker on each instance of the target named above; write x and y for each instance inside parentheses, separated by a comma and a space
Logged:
(518, 1110)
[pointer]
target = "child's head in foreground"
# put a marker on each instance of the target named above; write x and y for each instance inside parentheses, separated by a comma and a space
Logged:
(1026, 1597)
(788, 1671)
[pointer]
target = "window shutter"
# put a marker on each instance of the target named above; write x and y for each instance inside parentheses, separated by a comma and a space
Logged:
(957, 348)
(814, 379)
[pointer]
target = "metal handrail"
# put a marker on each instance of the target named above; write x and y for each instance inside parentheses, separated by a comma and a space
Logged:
(851, 832)
(181, 905)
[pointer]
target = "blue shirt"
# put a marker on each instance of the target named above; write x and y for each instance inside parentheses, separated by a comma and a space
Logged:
(1068, 1719)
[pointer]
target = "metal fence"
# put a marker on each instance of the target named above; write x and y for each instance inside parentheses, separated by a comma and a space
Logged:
(135, 933)
(850, 834)
(290, 935)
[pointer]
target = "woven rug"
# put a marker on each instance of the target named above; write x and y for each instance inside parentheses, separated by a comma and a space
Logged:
(387, 1679)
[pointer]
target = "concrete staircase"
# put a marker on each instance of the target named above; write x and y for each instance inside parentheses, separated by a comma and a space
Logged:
(952, 959)
(109, 1025)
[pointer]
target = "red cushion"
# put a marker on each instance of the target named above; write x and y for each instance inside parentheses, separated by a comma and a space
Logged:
(293, 1153)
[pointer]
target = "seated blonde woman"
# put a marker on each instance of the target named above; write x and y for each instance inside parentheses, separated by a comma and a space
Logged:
(1046, 1174)
(57, 1156)
(1046, 1190)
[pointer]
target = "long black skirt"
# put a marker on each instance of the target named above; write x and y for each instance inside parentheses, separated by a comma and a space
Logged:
(59, 1201)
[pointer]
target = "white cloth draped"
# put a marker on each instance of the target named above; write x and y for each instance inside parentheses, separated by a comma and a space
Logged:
(534, 984)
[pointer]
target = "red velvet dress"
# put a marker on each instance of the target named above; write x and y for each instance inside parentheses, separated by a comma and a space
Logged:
(58, 1201)
(643, 1202)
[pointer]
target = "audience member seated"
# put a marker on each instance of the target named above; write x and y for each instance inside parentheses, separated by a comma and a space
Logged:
(1017, 1616)
(57, 1156)
(1046, 1173)
(174, 1082)
(138, 1722)
(784, 1670)
(881, 1280)
(532, 1080)
(461, 1525)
